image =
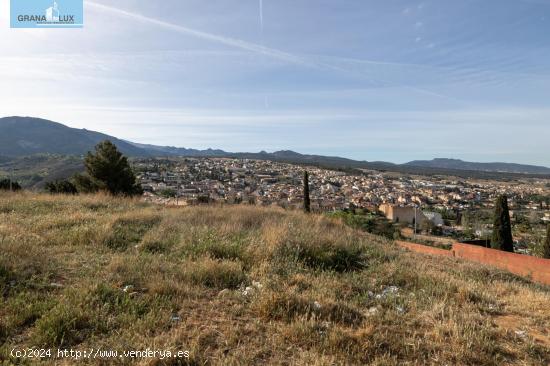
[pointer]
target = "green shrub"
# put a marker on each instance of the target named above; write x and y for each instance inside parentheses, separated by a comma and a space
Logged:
(61, 187)
(5, 277)
(155, 246)
(129, 231)
(62, 326)
(370, 223)
(216, 274)
(24, 308)
(216, 246)
(324, 256)
(115, 301)
(7, 185)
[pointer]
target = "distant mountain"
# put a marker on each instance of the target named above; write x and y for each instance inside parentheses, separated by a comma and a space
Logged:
(178, 151)
(25, 136)
(485, 167)
(20, 136)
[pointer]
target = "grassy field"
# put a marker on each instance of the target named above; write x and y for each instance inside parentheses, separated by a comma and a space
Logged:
(244, 285)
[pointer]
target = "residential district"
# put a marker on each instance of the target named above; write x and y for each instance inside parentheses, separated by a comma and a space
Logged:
(455, 206)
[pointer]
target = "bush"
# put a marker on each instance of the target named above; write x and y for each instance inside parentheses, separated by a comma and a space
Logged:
(25, 308)
(8, 184)
(61, 187)
(167, 193)
(154, 246)
(116, 301)
(62, 326)
(216, 274)
(6, 276)
(370, 223)
(129, 231)
(324, 255)
(216, 246)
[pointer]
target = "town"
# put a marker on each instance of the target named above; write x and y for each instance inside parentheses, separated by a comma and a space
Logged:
(441, 205)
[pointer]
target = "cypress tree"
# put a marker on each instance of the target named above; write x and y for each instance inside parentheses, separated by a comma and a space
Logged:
(546, 248)
(502, 228)
(307, 205)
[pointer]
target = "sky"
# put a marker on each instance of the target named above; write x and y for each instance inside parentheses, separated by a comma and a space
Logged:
(387, 80)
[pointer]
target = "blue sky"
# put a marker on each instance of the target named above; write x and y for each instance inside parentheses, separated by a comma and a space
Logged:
(372, 80)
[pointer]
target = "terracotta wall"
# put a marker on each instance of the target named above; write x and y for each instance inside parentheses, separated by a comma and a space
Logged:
(536, 269)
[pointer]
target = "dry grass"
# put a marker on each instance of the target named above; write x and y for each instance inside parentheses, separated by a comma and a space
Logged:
(246, 285)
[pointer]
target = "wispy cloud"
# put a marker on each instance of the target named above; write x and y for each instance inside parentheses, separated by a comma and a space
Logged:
(262, 15)
(228, 41)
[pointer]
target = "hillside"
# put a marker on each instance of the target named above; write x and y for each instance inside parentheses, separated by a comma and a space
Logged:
(21, 136)
(247, 285)
(33, 171)
(458, 164)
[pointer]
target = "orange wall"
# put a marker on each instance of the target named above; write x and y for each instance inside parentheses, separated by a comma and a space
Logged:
(536, 269)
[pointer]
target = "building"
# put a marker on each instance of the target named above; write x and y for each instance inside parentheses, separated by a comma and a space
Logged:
(434, 217)
(400, 214)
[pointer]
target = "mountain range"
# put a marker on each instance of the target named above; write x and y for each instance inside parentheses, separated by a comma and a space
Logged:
(23, 136)
(487, 167)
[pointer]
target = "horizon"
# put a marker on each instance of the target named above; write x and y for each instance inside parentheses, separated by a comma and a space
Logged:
(299, 152)
(392, 81)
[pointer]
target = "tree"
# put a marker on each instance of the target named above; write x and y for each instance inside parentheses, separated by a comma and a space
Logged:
(61, 187)
(107, 169)
(9, 185)
(428, 226)
(167, 193)
(502, 229)
(84, 184)
(307, 203)
(546, 247)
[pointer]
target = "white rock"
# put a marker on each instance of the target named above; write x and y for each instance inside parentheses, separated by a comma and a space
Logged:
(248, 291)
(391, 290)
(128, 288)
(521, 333)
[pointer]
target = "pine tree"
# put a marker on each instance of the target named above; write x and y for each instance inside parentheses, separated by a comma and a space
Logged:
(307, 204)
(502, 228)
(546, 248)
(107, 169)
